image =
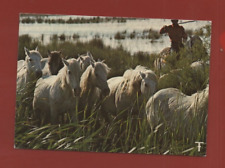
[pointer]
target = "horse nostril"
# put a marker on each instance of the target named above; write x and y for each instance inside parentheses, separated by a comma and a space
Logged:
(54, 72)
(77, 91)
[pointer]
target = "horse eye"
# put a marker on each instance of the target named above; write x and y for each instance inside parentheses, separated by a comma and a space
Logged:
(30, 59)
(69, 72)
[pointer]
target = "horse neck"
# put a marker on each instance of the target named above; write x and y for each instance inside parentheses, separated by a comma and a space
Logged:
(28, 75)
(61, 65)
(134, 85)
(86, 82)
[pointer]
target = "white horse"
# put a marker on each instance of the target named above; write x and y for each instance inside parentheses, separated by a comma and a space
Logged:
(93, 85)
(149, 80)
(160, 62)
(170, 105)
(193, 41)
(29, 70)
(55, 95)
(85, 60)
(135, 83)
(199, 65)
(52, 64)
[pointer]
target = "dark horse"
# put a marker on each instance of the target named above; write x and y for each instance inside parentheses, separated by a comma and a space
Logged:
(193, 43)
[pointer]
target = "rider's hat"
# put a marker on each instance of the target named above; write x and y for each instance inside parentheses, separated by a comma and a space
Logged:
(174, 21)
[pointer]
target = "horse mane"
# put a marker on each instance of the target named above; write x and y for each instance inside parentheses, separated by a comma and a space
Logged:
(85, 78)
(85, 83)
(133, 78)
(201, 97)
(141, 68)
(61, 77)
(132, 81)
(102, 66)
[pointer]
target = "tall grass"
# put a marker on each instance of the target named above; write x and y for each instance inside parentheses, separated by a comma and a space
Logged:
(129, 134)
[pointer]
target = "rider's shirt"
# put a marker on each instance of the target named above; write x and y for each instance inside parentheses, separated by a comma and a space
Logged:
(175, 32)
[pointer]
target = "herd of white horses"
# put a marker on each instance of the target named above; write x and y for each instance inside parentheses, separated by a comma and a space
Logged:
(62, 85)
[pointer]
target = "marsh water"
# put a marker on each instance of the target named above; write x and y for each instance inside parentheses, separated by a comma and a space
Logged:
(106, 31)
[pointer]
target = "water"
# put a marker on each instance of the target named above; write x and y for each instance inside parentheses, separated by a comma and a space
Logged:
(107, 31)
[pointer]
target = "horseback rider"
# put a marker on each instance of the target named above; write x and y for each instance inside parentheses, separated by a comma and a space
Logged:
(176, 33)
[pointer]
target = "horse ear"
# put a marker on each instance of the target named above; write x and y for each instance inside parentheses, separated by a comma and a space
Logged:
(142, 75)
(90, 55)
(27, 52)
(36, 48)
(81, 58)
(65, 62)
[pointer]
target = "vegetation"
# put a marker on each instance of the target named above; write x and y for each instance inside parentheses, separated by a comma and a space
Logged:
(145, 34)
(179, 74)
(28, 19)
(117, 59)
(129, 135)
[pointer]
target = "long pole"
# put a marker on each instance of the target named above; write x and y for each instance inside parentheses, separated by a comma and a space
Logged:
(187, 22)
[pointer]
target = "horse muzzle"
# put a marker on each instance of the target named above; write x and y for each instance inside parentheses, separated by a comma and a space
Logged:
(105, 92)
(77, 91)
(38, 74)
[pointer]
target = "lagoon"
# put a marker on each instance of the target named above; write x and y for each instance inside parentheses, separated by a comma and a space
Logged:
(106, 31)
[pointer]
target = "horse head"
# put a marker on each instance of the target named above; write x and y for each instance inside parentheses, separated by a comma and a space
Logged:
(55, 61)
(33, 62)
(148, 83)
(73, 75)
(85, 60)
(100, 71)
